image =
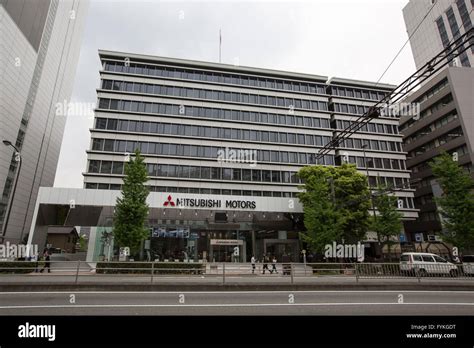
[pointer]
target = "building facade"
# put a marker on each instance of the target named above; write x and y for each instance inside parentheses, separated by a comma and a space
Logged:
(39, 48)
(217, 138)
(447, 21)
(445, 124)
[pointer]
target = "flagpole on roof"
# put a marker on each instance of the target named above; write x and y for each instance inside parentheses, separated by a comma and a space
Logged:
(220, 45)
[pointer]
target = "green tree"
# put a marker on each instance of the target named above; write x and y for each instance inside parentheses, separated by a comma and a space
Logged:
(388, 223)
(131, 209)
(335, 203)
(457, 201)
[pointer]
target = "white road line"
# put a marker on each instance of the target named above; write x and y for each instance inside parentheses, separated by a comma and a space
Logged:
(241, 305)
(236, 292)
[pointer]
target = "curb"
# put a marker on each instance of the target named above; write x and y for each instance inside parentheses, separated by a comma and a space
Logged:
(232, 287)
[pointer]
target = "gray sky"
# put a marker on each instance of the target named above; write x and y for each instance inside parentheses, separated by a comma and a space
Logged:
(349, 39)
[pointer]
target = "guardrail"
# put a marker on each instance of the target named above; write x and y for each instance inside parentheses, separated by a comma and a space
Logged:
(153, 272)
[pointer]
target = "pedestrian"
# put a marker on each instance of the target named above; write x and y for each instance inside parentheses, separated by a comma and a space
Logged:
(274, 262)
(47, 263)
(265, 263)
(35, 259)
(253, 261)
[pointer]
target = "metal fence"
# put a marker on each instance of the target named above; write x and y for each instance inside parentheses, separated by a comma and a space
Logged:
(222, 273)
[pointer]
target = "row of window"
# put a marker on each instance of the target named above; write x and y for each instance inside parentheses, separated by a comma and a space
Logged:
(423, 200)
(461, 151)
(432, 91)
(466, 19)
(229, 174)
(369, 127)
(378, 163)
(376, 145)
(441, 140)
(354, 109)
(357, 93)
(210, 132)
(216, 77)
(198, 93)
(453, 24)
(223, 114)
(441, 122)
(429, 111)
(242, 80)
(197, 172)
(428, 216)
(195, 190)
(212, 152)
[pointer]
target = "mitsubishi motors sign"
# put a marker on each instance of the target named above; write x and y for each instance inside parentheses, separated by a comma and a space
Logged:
(209, 203)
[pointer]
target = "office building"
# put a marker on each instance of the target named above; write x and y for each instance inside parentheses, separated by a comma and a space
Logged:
(222, 145)
(445, 100)
(39, 48)
(444, 124)
(447, 21)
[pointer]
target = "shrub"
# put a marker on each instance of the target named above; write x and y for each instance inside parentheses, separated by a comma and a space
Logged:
(145, 268)
(17, 266)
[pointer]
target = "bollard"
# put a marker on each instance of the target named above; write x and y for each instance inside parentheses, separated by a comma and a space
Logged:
(77, 271)
(223, 273)
(152, 271)
(291, 273)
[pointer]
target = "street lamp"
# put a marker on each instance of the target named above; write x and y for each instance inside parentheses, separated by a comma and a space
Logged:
(364, 146)
(10, 201)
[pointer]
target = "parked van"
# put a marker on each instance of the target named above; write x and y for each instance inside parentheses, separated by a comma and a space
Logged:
(424, 264)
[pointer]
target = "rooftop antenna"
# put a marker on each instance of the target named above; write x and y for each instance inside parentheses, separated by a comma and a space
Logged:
(220, 44)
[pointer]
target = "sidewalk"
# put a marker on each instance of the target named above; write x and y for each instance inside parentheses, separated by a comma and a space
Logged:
(244, 282)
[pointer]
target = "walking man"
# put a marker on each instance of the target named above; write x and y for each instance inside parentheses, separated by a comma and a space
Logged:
(265, 263)
(47, 263)
(252, 261)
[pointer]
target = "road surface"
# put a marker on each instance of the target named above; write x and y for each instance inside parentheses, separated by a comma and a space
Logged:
(363, 302)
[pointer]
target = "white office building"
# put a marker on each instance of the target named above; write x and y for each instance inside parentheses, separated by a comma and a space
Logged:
(222, 145)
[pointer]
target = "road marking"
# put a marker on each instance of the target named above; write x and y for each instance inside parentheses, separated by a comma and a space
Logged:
(241, 305)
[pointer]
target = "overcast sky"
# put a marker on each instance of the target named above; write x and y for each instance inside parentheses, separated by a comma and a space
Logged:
(349, 39)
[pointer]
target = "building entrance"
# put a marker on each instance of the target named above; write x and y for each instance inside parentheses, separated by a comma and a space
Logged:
(227, 250)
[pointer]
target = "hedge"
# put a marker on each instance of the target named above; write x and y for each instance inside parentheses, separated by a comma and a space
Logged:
(17, 266)
(145, 268)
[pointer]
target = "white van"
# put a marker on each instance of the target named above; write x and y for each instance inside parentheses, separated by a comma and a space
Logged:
(423, 264)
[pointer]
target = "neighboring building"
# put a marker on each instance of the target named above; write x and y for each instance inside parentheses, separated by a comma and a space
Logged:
(39, 48)
(448, 20)
(187, 117)
(64, 238)
(446, 123)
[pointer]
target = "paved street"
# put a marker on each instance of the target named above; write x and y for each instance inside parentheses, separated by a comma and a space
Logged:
(239, 303)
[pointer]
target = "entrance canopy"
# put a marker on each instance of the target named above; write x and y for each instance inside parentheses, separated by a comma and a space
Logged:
(87, 207)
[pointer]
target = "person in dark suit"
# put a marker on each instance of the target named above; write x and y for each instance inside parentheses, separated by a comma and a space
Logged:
(265, 261)
(47, 263)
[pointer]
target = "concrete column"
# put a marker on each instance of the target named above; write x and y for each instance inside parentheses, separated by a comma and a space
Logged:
(254, 245)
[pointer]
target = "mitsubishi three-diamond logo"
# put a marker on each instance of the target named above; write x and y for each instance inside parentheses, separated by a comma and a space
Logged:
(169, 201)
